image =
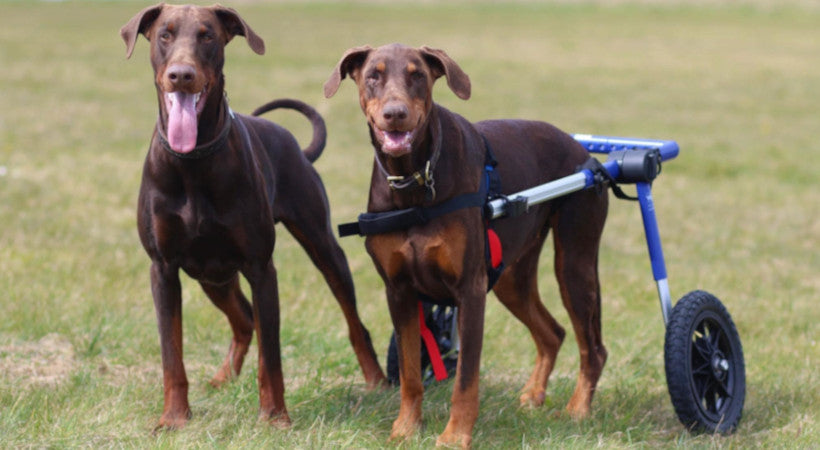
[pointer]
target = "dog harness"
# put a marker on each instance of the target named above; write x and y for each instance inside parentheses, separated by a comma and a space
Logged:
(402, 219)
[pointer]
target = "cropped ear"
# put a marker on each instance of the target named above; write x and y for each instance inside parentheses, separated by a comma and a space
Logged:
(139, 24)
(442, 64)
(351, 62)
(236, 26)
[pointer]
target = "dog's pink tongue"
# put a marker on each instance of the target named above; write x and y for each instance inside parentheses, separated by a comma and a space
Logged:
(397, 142)
(182, 122)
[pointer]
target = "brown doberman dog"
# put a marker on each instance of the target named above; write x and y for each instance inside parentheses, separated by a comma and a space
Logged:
(416, 139)
(214, 184)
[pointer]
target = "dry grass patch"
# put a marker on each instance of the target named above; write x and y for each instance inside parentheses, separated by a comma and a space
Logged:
(47, 362)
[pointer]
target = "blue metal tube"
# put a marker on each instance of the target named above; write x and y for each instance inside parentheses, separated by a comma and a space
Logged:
(653, 243)
(606, 144)
(650, 226)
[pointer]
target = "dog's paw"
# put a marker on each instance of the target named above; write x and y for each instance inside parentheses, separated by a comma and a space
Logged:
(532, 399)
(578, 411)
(222, 376)
(172, 420)
(404, 429)
(454, 440)
(279, 421)
(378, 384)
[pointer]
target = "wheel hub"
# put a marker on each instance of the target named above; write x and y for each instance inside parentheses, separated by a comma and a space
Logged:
(720, 365)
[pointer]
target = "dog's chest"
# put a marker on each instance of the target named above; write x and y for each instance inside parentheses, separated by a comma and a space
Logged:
(428, 257)
(207, 239)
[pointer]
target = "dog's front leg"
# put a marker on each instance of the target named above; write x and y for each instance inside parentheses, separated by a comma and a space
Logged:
(167, 293)
(464, 409)
(266, 321)
(404, 313)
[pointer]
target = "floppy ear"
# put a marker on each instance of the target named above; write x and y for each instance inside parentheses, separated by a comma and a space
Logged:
(351, 61)
(139, 24)
(236, 26)
(441, 64)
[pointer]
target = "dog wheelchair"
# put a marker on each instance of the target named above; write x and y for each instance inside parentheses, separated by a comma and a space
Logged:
(703, 356)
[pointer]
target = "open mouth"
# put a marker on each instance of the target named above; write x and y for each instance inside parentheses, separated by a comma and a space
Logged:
(395, 143)
(183, 112)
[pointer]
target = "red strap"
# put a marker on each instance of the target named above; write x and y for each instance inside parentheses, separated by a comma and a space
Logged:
(432, 348)
(495, 248)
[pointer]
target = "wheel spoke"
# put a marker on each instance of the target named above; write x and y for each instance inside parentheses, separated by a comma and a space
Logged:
(703, 348)
(717, 338)
(709, 396)
(704, 369)
(702, 386)
(722, 388)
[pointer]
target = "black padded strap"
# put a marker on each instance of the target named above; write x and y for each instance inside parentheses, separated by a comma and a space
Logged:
(402, 219)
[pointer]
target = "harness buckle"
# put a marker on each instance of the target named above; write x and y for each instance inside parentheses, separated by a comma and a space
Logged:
(392, 180)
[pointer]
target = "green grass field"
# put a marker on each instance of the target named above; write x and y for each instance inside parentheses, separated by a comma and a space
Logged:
(736, 86)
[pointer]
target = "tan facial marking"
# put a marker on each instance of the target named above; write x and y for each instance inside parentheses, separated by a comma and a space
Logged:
(411, 68)
(381, 67)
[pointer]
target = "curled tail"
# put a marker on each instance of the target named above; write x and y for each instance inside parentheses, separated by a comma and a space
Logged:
(317, 144)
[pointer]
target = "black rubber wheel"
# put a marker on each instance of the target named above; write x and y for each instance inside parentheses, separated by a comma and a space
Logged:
(704, 364)
(439, 320)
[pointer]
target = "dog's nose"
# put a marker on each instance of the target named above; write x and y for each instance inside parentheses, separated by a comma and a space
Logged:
(180, 76)
(394, 112)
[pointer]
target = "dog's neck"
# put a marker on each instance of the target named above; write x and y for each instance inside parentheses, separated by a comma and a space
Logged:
(213, 125)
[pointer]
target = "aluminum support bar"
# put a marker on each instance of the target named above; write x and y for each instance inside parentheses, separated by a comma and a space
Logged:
(544, 192)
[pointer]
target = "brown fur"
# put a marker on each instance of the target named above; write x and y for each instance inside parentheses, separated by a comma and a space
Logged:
(214, 217)
(444, 259)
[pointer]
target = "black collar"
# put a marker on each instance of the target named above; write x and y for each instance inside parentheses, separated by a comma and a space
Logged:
(200, 151)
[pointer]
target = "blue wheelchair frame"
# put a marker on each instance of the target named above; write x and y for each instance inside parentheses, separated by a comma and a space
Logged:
(586, 178)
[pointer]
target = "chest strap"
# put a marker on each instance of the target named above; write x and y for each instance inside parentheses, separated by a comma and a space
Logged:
(402, 219)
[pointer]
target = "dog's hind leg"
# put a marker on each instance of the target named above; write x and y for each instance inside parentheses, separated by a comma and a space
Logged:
(577, 229)
(517, 289)
(316, 237)
(229, 299)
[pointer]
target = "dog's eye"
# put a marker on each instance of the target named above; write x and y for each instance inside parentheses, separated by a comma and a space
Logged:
(206, 38)
(165, 36)
(374, 76)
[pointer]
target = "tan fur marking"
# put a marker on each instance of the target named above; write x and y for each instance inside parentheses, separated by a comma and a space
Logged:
(388, 250)
(381, 67)
(411, 68)
(446, 250)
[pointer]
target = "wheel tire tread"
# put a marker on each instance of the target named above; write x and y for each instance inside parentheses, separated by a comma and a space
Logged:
(676, 351)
